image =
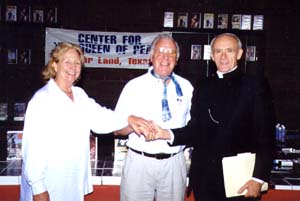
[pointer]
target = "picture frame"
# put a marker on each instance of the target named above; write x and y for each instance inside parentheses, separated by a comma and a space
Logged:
(222, 21)
(24, 13)
(236, 20)
(12, 56)
(11, 13)
(14, 144)
(51, 15)
(19, 111)
(3, 111)
(196, 52)
(195, 20)
(37, 15)
(182, 20)
(251, 53)
(24, 56)
(208, 20)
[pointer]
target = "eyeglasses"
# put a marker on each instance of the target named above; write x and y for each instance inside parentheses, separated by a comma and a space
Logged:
(162, 51)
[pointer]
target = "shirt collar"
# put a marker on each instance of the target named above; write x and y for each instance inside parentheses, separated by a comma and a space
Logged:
(221, 74)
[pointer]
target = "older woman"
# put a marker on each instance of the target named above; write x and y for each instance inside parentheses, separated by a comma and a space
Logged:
(59, 117)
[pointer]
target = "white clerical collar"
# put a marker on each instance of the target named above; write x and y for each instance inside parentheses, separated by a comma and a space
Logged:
(220, 74)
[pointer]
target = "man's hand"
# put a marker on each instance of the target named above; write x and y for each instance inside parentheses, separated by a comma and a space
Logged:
(41, 197)
(253, 188)
(161, 133)
(142, 126)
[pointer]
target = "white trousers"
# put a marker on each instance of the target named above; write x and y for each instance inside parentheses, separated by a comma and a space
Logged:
(145, 178)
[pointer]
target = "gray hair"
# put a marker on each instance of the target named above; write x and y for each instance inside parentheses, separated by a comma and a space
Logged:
(164, 36)
(235, 37)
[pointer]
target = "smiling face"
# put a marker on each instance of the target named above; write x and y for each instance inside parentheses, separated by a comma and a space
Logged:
(225, 53)
(67, 68)
(164, 57)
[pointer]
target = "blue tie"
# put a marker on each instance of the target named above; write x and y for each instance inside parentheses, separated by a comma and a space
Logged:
(166, 113)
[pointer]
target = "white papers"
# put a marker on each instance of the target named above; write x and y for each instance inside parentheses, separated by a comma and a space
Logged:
(237, 170)
(168, 19)
(207, 51)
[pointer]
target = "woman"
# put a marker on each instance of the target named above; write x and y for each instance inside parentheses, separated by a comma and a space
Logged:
(59, 117)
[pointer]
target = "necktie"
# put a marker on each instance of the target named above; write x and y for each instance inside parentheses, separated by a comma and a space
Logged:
(166, 113)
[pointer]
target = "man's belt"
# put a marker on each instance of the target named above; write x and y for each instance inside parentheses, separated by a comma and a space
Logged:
(158, 156)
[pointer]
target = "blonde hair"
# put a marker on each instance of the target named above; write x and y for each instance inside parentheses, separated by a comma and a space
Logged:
(56, 54)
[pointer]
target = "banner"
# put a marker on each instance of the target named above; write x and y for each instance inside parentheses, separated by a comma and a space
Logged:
(105, 49)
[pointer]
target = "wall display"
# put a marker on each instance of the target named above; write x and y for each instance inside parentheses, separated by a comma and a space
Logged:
(208, 21)
(222, 21)
(51, 15)
(246, 22)
(195, 20)
(11, 13)
(24, 56)
(24, 13)
(195, 52)
(12, 56)
(182, 20)
(258, 22)
(19, 111)
(14, 145)
(169, 19)
(236, 21)
(3, 111)
(251, 53)
(37, 15)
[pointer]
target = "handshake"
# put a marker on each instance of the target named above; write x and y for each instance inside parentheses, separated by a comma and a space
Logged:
(149, 129)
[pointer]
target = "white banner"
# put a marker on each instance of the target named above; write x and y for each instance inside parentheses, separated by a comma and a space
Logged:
(105, 49)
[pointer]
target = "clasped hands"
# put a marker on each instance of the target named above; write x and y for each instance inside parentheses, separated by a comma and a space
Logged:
(149, 129)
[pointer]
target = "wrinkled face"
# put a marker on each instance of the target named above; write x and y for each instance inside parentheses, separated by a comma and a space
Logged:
(164, 57)
(68, 67)
(225, 53)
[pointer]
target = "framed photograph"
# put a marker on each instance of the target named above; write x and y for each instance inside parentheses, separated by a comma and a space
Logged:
(236, 21)
(182, 20)
(14, 145)
(195, 52)
(12, 56)
(51, 15)
(11, 13)
(222, 21)
(24, 56)
(169, 19)
(38, 16)
(23, 13)
(258, 22)
(208, 21)
(195, 21)
(3, 111)
(19, 111)
(251, 53)
(246, 22)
